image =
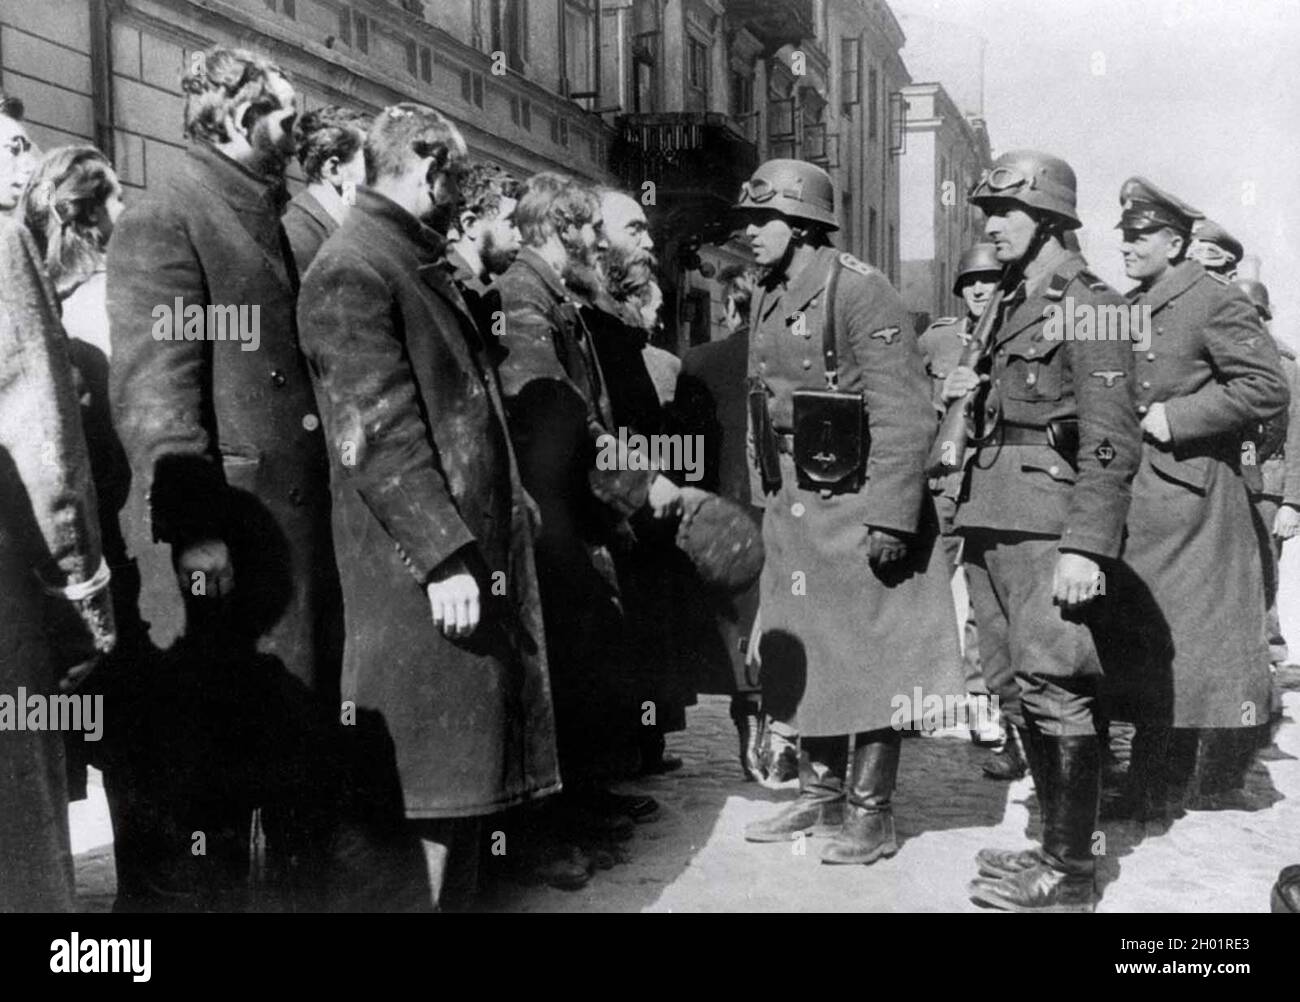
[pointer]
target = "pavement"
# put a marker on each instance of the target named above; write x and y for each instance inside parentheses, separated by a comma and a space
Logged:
(693, 858)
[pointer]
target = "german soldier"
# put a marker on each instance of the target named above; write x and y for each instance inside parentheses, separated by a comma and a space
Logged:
(1210, 376)
(942, 344)
(1215, 248)
(856, 606)
(1042, 511)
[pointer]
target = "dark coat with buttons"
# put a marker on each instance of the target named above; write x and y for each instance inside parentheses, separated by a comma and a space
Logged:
(847, 644)
(558, 408)
(423, 471)
(224, 443)
(1198, 625)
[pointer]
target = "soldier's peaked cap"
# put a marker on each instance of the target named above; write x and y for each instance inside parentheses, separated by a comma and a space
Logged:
(1147, 207)
(1212, 233)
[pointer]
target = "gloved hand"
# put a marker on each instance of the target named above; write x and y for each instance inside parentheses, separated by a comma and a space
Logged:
(885, 547)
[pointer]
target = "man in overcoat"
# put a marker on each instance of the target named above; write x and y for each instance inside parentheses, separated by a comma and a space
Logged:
(329, 144)
(56, 618)
(1042, 512)
(856, 607)
(229, 510)
(445, 658)
(1211, 375)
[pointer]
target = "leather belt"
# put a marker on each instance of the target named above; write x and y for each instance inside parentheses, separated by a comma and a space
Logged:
(1019, 434)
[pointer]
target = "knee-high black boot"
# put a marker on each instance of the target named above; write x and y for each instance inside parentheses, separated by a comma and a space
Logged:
(1064, 880)
(819, 808)
(1003, 862)
(868, 832)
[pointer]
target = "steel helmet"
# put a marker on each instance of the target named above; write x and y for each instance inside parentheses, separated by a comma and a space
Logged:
(1258, 293)
(1033, 179)
(974, 260)
(794, 188)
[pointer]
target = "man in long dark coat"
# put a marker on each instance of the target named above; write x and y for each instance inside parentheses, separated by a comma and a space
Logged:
(856, 607)
(229, 511)
(329, 151)
(559, 412)
(445, 655)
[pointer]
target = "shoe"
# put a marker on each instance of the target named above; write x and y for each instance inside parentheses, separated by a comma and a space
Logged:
(661, 765)
(638, 807)
(868, 832)
(1008, 762)
(819, 808)
(1285, 898)
(564, 867)
(1006, 862)
(1064, 879)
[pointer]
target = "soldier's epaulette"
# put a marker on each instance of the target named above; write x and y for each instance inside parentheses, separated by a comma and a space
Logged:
(1221, 279)
(944, 321)
(1091, 281)
(1056, 287)
(853, 264)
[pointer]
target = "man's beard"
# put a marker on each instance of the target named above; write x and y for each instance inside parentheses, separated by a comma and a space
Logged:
(495, 260)
(580, 265)
(626, 273)
(268, 158)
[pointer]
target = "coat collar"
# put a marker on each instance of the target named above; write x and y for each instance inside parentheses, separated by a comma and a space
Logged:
(461, 271)
(529, 258)
(429, 245)
(307, 201)
(1032, 297)
(805, 286)
(1172, 284)
(241, 188)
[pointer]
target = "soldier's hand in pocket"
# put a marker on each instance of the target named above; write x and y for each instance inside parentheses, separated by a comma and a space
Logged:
(885, 548)
(961, 381)
(454, 598)
(203, 569)
(1156, 424)
(1077, 581)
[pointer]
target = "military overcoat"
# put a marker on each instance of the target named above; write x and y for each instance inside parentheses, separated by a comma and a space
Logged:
(1200, 620)
(854, 644)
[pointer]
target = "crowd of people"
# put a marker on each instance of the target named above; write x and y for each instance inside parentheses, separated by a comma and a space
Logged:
(310, 491)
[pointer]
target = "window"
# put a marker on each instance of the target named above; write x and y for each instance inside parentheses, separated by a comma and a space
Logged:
(873, 103)
(872, 258)
(893, 251)
(697, 75)
(363, 33)
(579, 41)
(345, 25)
(521, 111)
(850, 73)
(510, 31)
(560, 131)
(412, 64)
(645, 48)
(476, 24)
(783, 126)
(426, 64)
(471, 87)
(850, 224)
(287, 7)
(742, 94)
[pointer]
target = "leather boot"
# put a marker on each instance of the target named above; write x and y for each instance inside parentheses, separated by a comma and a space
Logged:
(1009, 761)
(1064, 880)
(868, 832)
(1143, 795)
(1005, 862)
(819, 808)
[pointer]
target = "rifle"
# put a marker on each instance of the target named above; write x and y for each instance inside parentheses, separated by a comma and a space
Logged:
(947, 454)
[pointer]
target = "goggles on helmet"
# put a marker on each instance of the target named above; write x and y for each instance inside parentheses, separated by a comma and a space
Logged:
(1003, 178)
(760, 190)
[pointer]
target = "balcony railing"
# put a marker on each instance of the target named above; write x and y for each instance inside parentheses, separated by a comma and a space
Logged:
(694, 154)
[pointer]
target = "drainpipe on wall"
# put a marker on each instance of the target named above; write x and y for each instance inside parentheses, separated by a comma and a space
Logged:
(101, 73)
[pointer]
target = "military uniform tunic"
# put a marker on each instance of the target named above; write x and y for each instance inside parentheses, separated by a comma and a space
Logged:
(1200, 619)
(847, 638)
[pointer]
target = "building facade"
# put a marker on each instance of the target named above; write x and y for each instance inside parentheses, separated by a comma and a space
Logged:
(946, 154)
(675, 100)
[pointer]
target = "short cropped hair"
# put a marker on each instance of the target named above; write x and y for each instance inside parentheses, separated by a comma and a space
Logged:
(405, 131)
(325, 133)
(549, 204)
(11, 107)
(738, 285)
(486, 185)
(219, 81)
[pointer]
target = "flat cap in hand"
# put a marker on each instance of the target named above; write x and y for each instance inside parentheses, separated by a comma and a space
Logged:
(721, 540)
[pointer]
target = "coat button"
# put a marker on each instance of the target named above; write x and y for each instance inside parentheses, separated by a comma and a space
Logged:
(1054, 471)
(310, 421)
(295, 497)
(1146, 384)
(1031, 353)
(1031, 379)
(797, 509)
(1160, 330)
(1142, 408)
(1151, 356)
(278, 377)
(807, 364)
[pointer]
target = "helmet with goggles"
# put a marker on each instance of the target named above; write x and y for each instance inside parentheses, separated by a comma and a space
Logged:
(794, 188)
(1033, 179)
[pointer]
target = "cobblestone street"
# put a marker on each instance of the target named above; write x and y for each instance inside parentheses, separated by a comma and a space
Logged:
(692, 857)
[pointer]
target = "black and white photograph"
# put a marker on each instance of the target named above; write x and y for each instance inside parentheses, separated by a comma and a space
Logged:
(623, 456)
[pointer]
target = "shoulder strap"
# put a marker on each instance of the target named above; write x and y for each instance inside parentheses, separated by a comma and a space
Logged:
(830, 359)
